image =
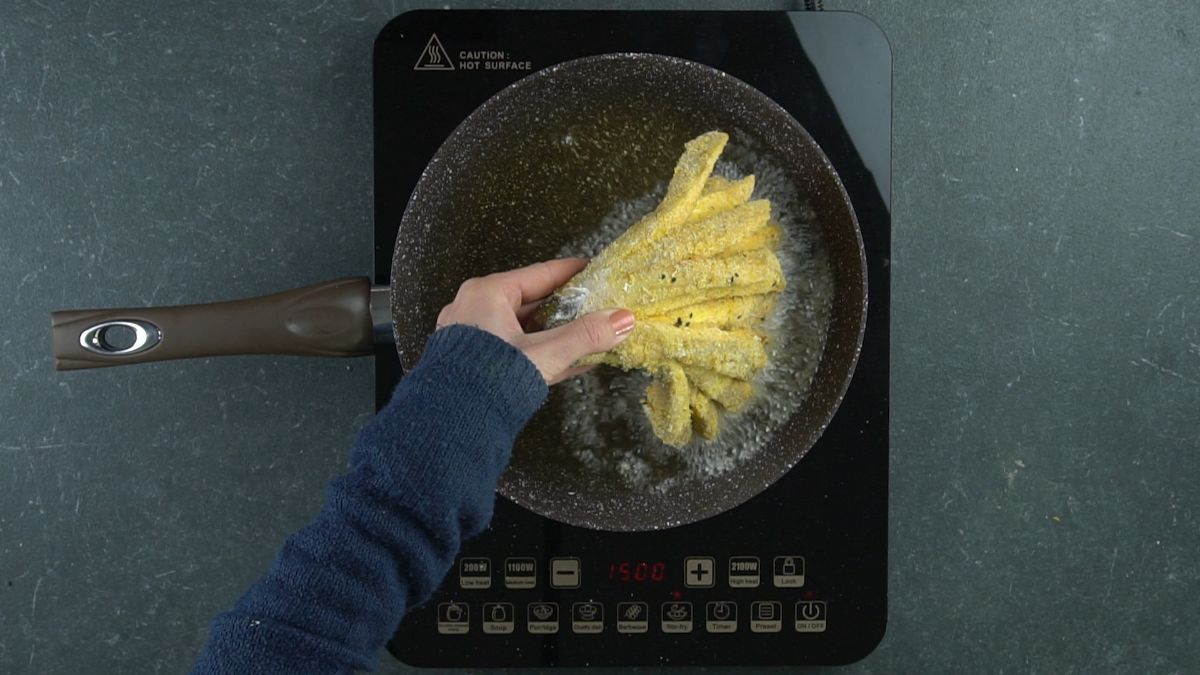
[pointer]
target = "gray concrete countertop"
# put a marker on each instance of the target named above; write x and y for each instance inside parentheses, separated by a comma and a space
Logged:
(1046, 322)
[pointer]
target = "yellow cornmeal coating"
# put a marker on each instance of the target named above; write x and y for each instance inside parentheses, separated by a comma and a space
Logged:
(700, 274)
(727, 313)
(721, 194)
(705, 416)
(661, 289)
(715, 183)
(693, 169)
(738, 353)
(709, 237)
(767, 236)
(667, 405)
(732, 394)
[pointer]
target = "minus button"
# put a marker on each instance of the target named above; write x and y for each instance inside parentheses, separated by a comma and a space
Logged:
(564, 572)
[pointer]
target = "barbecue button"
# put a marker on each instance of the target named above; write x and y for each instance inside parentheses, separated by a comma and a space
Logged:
(564, 573)
(633, 617)
(475, 573)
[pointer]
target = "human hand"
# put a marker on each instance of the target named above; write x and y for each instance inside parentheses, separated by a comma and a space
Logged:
(501, 303)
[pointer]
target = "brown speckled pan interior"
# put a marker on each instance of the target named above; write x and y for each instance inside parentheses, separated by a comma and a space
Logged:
(539, 165)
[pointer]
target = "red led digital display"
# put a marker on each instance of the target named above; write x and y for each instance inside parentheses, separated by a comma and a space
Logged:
(630, 571)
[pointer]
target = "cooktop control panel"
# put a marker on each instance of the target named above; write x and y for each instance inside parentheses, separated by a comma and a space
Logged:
(795, 575)
(531, 592)
(720, 595)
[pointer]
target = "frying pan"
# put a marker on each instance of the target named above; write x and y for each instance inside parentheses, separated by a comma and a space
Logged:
(537, 165)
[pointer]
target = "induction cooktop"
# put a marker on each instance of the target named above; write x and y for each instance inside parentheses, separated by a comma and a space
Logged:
(796, 575)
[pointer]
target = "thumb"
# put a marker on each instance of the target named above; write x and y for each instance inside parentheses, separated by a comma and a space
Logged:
(558, 348)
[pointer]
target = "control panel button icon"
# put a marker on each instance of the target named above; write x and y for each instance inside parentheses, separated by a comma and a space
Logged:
(633, 617)
(542, 618)
(721, 616)
(811, 616)
(587, 617)
(789, 571)
(743, 572)
(520, 573)
(453, 618)
(565, 572)
(698, 572)
(498, 617)
(475, 573)
(766, 616)
(676, 617)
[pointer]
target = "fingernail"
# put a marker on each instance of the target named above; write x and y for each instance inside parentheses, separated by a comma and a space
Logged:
(622, 323)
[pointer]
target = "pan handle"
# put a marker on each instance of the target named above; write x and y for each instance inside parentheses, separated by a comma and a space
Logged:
(332, 318)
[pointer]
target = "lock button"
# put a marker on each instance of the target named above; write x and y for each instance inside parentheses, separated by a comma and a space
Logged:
(789, 571)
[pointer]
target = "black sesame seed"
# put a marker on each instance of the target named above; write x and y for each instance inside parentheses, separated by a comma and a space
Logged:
(678, 322)
(672, 279)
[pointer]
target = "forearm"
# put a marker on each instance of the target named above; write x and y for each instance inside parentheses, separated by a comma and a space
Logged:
(423, 478)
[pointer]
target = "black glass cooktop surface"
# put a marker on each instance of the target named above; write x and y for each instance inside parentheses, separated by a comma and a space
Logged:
(796, 575)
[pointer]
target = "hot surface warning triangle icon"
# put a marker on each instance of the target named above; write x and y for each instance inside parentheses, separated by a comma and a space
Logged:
(434, 56)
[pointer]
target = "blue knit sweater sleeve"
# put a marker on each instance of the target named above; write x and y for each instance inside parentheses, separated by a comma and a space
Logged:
(422, 479)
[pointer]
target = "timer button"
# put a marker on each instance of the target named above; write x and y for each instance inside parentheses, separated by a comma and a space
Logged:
(564, 572)
(698, 572)
(721, 616)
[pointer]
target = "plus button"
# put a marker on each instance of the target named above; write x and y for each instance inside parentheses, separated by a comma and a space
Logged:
(698, 572)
